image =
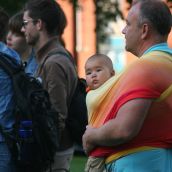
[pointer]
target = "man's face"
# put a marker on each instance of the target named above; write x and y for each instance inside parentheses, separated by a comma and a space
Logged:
(30, 30)
(132, 31)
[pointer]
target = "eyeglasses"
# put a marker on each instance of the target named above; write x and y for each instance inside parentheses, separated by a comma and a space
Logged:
(25, 22)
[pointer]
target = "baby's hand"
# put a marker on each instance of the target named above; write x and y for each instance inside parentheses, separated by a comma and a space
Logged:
(87, 139)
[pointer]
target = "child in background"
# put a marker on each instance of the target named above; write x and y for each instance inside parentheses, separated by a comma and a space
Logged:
(98, 70)
(17, 41)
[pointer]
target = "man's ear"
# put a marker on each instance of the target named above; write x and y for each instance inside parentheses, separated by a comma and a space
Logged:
(39, 24)
(145, 30)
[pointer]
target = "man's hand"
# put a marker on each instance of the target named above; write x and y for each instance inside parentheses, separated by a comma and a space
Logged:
(87, 139)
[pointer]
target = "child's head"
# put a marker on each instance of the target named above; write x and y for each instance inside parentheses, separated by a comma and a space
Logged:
(98, 70)
(15, 38)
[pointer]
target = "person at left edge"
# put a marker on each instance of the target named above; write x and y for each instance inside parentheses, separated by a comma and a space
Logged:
(6, 105)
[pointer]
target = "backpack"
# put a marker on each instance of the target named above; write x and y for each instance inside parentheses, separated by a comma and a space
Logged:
(35, 133)
(77, 119)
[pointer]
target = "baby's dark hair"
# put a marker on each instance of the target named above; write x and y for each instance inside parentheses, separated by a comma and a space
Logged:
(104, 58)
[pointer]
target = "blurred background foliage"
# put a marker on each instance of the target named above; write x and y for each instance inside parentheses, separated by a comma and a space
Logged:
(106, 11)
(12, 6)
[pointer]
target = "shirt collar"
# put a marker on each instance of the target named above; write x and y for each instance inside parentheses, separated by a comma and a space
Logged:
(159, 47)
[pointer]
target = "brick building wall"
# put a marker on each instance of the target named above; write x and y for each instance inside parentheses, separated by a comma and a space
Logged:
(80, 35)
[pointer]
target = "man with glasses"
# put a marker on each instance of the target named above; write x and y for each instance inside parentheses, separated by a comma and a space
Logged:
(43, 24)
(25, 22)
(6, 100)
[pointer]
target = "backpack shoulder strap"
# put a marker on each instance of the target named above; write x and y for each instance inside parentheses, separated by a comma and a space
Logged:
(9, 64)
(69, 56)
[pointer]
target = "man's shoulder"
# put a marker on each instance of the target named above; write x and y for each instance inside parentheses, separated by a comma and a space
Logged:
(59, 56)
(59, 61)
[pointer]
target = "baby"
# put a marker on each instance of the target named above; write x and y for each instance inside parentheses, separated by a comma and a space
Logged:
(98, 70)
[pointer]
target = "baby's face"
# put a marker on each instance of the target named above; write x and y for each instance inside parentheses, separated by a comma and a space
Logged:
(97, 73)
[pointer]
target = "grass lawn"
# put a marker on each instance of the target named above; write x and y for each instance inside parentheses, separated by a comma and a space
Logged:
(78, 163)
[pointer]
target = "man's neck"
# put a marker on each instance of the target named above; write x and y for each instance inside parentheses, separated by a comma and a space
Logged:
(50, 44)
(43, 39)
(25, 54)
(146, 45)
(154, 39)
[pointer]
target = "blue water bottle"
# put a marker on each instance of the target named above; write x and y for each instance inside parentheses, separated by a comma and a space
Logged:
(25, 130)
